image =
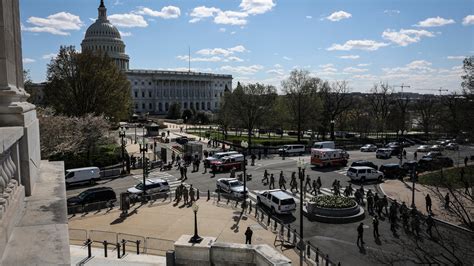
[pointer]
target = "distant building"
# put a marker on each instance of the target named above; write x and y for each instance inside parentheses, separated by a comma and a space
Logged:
(154, 91)
(36, 91)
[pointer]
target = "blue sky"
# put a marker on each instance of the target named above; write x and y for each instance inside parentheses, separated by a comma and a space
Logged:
(418, 43)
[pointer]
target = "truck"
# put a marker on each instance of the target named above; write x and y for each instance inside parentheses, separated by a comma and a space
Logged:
(227, 163)
(324, 145)
(328, 157)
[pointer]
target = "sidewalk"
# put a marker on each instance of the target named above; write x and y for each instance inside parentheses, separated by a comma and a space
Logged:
(402, 192)
(167, 221)
(79, 255)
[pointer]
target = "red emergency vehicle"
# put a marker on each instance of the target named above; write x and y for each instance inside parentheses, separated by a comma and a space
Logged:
(329, 157)
(228, 162)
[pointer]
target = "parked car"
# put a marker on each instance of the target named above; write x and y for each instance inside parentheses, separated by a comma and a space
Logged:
(182, 140)
(409, 165)
(152, 185)
(364, 173)
(423, 148)
(383, 153)
(395, 148)
(432, 154)
(294, 133)
(277, 201)
(392, 170)
(81, 175)
(436, 148)
(93, 195)
(431, 164)
(293, 149)
(231, 186)
(452, 146)
(368, 148)
(365, 163)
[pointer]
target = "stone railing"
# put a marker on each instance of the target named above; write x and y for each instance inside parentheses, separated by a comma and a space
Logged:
(9, 166)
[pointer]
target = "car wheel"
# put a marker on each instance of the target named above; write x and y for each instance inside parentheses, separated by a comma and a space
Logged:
(380, 178)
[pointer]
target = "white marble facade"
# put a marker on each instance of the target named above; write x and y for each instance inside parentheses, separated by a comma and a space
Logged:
(154, 91)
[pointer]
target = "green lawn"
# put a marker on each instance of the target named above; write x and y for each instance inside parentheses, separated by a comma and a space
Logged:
(264, 139)
(448, 176)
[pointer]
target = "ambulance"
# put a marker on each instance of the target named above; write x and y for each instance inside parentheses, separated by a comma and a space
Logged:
(329, 157)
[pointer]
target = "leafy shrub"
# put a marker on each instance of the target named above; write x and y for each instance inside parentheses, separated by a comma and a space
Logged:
(331, 201)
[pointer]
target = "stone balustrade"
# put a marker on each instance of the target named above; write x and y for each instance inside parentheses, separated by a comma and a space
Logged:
(9, 165)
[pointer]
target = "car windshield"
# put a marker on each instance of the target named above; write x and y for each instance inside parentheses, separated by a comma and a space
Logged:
(235, 184)
(139, 186)
(83, 194)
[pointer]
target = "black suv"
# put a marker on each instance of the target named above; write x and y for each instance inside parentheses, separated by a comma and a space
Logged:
(364, 163)
(93, 195)
(430, 164)
(392, 170)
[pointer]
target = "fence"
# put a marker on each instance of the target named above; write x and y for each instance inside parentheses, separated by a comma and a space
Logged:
(112, 240)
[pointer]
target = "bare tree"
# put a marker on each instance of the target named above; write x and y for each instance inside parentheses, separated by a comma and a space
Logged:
(249, 104)
(380, 101)
(335, 100)
(301, 90)
(426, 110)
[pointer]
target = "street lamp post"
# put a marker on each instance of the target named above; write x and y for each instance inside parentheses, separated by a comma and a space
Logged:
(301, 172)
(332, 129)
(413, 177)
(122, 135)
(143, 150)
(196, 238)
(245, 145)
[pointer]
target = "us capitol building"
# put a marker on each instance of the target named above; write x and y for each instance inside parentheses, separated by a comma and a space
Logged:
(154, 91)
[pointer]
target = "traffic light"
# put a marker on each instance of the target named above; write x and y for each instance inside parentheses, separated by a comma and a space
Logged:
(147, 166)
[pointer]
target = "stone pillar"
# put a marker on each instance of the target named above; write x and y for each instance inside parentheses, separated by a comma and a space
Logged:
(14, 109)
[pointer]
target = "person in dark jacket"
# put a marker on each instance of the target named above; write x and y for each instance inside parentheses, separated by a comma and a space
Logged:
(360, 234)
(248, 236)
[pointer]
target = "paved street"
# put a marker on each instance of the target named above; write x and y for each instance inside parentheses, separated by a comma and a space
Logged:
(338, 240)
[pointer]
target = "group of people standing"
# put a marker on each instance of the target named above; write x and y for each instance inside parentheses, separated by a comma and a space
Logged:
(188, 195)
(312, 187)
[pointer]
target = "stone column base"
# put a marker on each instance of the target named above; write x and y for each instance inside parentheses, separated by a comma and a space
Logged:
(11, 215)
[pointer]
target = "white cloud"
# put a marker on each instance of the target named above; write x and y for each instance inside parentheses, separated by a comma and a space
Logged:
(57, 24)
(339, 15)
(287, 58)
(231, 18)
(243, 70)
(234, 59)
(468, 20)
(277, 66)
(199, 59)
(166, 12)
(365, 76)
(309, 17)
(223, 51)
(255, 7)
(349, 56)
(125, 33)
(456, 57)
(391, 12)
(355, 70)
(28, 60)
(232, 33)
(278, 72)
(222, 29)
(368, 45)
(202, 12)
(326, 65)
(363, 65)
(128, 20)
(49, 56)
(405, 37)
(434, 22)
(414, 67)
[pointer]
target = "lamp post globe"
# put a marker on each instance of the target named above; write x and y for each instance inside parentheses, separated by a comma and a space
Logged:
(196, 238)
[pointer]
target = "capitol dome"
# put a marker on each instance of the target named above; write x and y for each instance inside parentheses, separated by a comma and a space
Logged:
(103, 36)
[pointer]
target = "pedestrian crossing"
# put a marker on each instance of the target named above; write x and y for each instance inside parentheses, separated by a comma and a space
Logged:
(342, 171)
(173, 182)
(308, 196)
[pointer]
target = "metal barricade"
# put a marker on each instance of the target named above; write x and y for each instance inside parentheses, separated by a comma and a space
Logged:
(131, 242)
(157, 246)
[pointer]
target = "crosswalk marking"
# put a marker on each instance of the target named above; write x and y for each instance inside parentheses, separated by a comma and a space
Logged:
(173, 182)
(324, 191)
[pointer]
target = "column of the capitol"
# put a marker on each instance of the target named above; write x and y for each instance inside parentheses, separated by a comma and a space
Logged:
(14, 110)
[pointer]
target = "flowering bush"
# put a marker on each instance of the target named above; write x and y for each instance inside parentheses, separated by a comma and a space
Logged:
(330, 201)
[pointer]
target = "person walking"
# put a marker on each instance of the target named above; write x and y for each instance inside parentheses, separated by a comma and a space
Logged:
(446, 201)
(282, 181)
(404, 153)
(350, 190)
(253, 157)
(428, 203)
(375, 224)
(181, 172)
(319, 184)
(360, 234)
(232, 172)
(185, 172)
(205, 165)
(415, 155)
(272, 182)
(315, 188)
(293, 182)
(191, 195)
(185, 195)
(248, 236)
(173, 157)
(307, 183)
(370, 203)
(465, 161)
(176, 193)
(265, 177)
(429, 224)
(385, 204)
(178, 160)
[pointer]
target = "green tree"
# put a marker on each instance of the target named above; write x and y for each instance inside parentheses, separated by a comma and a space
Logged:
(174, 112)
(187, 115)
(301, 90)
(468, 77)
(83, 83)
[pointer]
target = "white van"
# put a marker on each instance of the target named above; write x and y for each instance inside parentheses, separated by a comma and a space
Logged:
(324, 145)
(153, 185)
(80, 175)
(277, 201)
(220, 155)
(293, 149)
(363, 173)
